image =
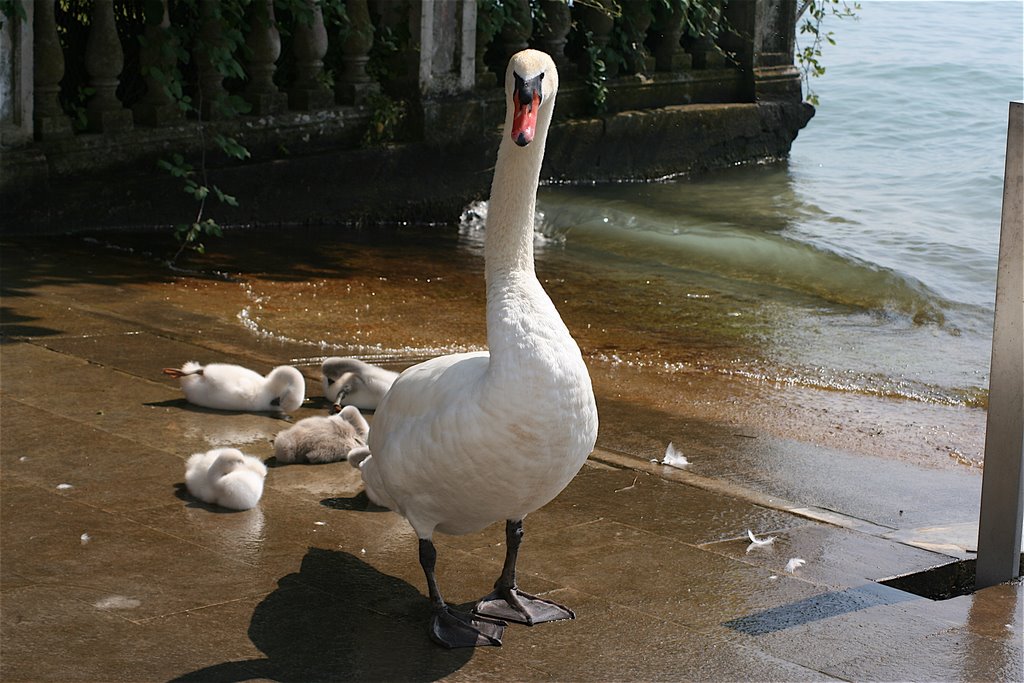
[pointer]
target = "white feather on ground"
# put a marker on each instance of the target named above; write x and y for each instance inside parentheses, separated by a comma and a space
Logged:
(756, 542)
(673, 458)
(322, 439)
(794, 564)
(225, 477)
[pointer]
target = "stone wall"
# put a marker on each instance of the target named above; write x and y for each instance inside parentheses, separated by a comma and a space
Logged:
(678, 104)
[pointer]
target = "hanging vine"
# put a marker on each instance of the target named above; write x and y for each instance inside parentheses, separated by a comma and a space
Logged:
(808, 56)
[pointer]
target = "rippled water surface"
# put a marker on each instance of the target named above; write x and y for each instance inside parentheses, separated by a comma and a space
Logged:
(867, 262)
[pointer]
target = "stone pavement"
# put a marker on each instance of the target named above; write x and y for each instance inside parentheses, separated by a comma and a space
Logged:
(110, 572)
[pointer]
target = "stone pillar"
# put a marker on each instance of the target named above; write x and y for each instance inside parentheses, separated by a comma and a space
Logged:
(309, 45)
(775, 75)
(355, 85)
(467, 50)
(157, 107)
(264, 43)
(212, 93)
(442, 38)
(48, 63)
(104, 61)
(447, 32)
(552, 34)
(668, 52)
(17, 92)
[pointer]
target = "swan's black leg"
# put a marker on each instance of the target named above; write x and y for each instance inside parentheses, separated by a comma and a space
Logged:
(449, 627)
(507, 601)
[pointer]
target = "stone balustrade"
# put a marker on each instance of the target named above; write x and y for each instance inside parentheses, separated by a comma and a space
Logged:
(346, 108)
(437, 46)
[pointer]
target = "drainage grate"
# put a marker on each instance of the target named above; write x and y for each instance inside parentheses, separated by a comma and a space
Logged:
(939, 583)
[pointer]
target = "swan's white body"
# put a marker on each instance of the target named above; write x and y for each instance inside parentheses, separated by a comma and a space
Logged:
(351, 382)
(322, 439)
(223, 386)
(466, 440)
(225, 477)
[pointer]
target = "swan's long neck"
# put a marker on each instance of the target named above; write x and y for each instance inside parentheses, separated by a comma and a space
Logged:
(508, 242)
(519, 312)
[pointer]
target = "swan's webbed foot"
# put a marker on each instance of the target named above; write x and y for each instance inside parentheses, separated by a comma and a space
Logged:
(511, 604)
(451, 628)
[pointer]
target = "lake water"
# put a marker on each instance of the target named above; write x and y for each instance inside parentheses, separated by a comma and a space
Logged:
(871, 255)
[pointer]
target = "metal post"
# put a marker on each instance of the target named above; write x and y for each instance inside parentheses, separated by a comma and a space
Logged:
(1002, 488)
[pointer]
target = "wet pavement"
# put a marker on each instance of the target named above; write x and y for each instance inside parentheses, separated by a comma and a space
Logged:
(110, 572)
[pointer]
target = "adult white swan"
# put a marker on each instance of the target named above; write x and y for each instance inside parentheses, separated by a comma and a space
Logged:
(465, 440)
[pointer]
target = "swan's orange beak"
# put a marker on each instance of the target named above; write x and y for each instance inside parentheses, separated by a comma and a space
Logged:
(526, 103)
(524, 121)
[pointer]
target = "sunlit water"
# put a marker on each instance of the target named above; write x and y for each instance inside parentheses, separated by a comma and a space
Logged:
(867, 263)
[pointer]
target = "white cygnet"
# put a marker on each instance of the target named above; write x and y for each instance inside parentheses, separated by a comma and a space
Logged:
(322, 439)
(225, 477)
(351, 382)
(223, 386)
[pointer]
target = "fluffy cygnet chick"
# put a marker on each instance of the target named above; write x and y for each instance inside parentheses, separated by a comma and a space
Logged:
(322, 439)
(231, 387)
(225, 477)
(351, 382)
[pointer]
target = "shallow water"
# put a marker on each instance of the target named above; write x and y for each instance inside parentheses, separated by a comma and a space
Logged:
(673, 358)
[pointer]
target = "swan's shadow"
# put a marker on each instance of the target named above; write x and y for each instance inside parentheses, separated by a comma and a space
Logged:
(336, 620)
(360, 502)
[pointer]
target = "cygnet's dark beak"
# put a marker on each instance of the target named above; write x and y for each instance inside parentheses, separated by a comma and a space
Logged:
(526, 99)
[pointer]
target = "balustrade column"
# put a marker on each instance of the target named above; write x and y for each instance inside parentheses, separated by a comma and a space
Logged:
(400, 19)
(706, 54)
(104, 61)
(309, 45)
(668, 51)
(553, 32)
(157, 54)
(264, 44)
(212, 93)
(486, 29)
(49, 119)
(599, 23)
(355, 85)
(516, 33)
(636, 19)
